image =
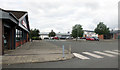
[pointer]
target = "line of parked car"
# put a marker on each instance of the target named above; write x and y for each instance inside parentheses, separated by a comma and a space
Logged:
(90, 38)
(87, 38)
(57, 38)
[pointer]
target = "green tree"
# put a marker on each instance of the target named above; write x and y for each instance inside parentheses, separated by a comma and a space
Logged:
(52, 34)
(102, 29)
(77, 31)
(34, 33)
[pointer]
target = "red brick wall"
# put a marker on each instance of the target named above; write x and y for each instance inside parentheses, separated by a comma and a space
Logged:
(101, 36)
(20, 43)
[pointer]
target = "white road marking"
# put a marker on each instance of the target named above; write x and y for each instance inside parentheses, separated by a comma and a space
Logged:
(80, 56)
(93, 55)
(106, 54)
(116, 50)
(112, 52)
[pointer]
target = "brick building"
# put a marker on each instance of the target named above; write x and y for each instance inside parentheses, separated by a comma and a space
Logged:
(14, 29)
(115, 34)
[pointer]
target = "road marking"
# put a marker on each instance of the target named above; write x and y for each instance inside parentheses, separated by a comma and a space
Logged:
(80, 56)
(93, 55)
(112, 52)
(106, 54)
(116, 50)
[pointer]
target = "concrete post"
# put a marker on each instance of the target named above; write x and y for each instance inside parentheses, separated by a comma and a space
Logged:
(1, 37)
(13, 40)
(1, 43)
(63, 51)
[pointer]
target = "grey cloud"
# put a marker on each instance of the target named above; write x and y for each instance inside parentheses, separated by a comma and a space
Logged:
(61, 15)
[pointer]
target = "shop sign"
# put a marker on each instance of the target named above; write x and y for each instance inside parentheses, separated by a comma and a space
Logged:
(24, 24)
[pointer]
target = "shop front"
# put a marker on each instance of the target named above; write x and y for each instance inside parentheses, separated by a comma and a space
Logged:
(15, 29)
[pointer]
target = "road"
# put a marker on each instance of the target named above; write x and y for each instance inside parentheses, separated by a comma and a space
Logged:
(96, 60)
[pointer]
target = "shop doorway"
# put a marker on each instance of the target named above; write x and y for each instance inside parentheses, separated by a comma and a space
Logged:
(6, 37)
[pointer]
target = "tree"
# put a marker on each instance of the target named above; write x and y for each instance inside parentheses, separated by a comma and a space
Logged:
(77, 31)
(102, 29)
(34, 33)
(52, 34)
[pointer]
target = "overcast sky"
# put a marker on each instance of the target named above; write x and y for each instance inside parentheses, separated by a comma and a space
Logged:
(62, 15)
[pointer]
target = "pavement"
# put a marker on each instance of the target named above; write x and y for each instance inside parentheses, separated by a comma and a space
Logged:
(35, 52)
(83, 49)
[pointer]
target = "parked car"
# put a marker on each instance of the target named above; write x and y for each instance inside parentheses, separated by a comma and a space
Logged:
(83, 38)
(62, 37)
(69, 37)
(96, 38)
(90, 38)
(46, 37)
(51, 38)
(55, 38)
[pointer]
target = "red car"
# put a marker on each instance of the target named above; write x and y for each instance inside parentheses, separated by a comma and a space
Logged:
(55, 38)
(90, 38)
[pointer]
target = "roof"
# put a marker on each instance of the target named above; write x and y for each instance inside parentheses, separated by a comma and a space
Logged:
(17, 14)
(115, 31)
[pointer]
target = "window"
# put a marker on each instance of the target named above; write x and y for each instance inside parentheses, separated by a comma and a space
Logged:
(18, 35)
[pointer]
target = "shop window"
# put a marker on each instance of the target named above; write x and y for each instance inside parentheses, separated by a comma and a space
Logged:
(18, 35)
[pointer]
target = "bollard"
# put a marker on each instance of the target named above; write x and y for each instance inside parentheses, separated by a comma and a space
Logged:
(63, 51)
(69, 49)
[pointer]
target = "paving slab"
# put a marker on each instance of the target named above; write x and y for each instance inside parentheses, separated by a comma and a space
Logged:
(36, 51)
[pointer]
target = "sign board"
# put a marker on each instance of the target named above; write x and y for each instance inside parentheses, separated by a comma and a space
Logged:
(24, 24)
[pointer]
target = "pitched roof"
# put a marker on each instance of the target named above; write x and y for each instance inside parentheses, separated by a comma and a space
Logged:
(17, 14)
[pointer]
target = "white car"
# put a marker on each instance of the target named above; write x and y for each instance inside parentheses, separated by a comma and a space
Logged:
(69, 37)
